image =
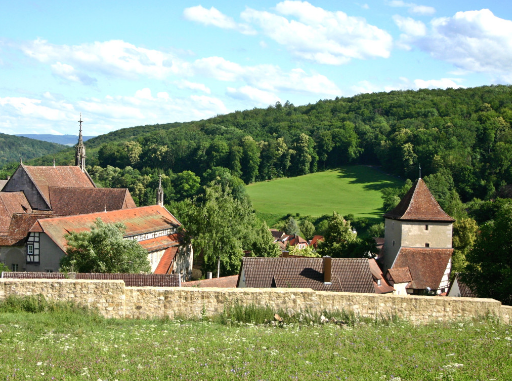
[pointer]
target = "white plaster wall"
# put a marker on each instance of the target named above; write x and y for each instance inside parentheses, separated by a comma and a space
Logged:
(455, 290)
(154, 259)
(438, 235)
(400, 288)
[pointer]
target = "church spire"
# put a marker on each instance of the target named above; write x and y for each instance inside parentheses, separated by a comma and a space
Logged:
(80, 148)
(160, 193)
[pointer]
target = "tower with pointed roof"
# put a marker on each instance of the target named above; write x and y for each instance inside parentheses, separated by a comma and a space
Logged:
(417, 222)
(80, 149)
(160, 193)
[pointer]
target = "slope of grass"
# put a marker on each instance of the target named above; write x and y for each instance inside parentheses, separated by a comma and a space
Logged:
(46, 346)
(348, 190)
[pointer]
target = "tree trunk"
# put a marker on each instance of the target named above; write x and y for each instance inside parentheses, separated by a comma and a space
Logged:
(218, 268)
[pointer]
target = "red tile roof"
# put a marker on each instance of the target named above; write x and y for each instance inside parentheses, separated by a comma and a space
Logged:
(427, 266)
(11, 203)
(68, 201)
(348, 274)
(384, 287)
(66, 176)
(418, 205)
(160, 243)
(400, 275)
(137, 221)
(314, 241)
(20, 224)
(464, 289)
(164, 266)
(223, 282)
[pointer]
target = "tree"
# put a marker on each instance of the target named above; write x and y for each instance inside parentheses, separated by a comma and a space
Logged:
(307, 228)
(216, 226)
(292, 227)
(263, 244)
(489, 268)
(104, 250)
(464, 237)
(337, 237)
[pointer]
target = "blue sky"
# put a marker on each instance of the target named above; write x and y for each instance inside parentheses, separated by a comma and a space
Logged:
(127, 63)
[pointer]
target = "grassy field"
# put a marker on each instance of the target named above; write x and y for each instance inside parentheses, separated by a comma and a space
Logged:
(77, 346)
(348, 190)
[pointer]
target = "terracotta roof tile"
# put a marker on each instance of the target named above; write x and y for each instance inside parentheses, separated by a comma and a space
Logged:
(68, 201)
(65, 176)
(160, 243)
(11, 203)
(137, 220)
(418, 205)
(379, 281)
(223, 282)
(164, 266)
(20, 224)
(427, 266)
(400, 274)
(348, 274)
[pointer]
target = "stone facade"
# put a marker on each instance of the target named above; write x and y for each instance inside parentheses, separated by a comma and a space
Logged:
(112, 299)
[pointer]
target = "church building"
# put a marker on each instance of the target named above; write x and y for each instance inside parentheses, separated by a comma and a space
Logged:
(34, 195)
(417, 252)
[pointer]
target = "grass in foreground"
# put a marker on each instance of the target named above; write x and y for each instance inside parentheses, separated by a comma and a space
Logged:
(73, 345)
(348, 190)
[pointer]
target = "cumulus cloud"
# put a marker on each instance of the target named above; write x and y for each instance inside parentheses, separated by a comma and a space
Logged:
(184, 84)
(216, 18)
(416, 9)
(114, 58)
(268, 78)
(473, 41)
(253, 94)
(315, 34)
(407, 84)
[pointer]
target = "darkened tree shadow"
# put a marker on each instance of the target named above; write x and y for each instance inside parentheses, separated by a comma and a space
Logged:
(369, 176)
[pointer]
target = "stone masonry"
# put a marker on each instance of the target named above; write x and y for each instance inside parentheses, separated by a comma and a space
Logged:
(113, 300)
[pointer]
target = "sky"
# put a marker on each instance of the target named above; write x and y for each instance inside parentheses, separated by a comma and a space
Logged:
(131, 63)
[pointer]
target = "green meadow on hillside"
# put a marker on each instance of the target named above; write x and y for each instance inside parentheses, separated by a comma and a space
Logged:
(347, 190)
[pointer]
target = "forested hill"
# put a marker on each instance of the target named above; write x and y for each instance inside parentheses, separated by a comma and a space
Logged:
(462, 134)
(12, 147)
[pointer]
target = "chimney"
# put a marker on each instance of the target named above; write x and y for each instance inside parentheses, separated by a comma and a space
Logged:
(327, 270)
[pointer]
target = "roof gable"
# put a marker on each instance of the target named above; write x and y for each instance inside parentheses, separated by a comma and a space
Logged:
(419, 205)
(11, 203)
(426, 266)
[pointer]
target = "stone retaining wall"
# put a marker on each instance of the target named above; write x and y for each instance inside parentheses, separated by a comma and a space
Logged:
(113, 299)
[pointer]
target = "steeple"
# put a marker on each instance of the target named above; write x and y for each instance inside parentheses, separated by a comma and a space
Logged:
(80, 148)
(160, 193)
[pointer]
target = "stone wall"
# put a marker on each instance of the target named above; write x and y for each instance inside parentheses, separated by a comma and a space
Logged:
(113, 299)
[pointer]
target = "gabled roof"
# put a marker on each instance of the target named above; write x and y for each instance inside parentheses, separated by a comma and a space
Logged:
(222, 282)
(11, 203)
(465, 291)
(160, 243)
(164, 266)
(383, 287)
(348, 274)
(418, 205)
(400, 275)
(20, 224)
(68, 201)
(64, 176)
(137, 221)
(426, 265)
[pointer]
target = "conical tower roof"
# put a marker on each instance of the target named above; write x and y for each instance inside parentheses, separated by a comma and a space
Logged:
(419, 205)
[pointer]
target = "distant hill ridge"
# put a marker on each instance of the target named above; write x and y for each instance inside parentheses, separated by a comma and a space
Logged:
(67, 140)
(13, 147)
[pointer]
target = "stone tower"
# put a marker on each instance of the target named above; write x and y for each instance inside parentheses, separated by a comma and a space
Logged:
(80, 149)
(417, 222)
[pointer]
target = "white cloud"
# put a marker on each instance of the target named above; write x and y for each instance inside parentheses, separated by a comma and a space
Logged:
(253, 94)
(216, 18)
(365, 6)
(184, 84)
(268, 78)
(474, 41)
(410, 26)
(315, 34)
(421, 10)
(113, 58)
(30, 107)
(407, 84)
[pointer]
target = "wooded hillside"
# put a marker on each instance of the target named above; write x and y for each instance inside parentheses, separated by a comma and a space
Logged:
(12, 147)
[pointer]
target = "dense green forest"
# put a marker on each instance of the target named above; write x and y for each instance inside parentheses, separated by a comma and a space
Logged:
(463, 133)
(13, 147)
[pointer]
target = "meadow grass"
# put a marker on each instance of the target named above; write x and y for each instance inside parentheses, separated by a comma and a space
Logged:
(348, 190)
(71, 345)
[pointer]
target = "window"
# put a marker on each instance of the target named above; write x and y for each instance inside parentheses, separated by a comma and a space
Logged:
(14, 267)
(49, 270)
(33, 248)
(426, 227)
(427, 244)
(393, 243)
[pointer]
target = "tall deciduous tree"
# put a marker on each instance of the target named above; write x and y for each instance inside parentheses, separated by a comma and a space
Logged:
(263, 244)
(104, 250)
(292, 227)
(337, 237)
(489, 269)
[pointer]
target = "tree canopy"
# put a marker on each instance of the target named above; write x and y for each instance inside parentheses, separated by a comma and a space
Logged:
(104, 250)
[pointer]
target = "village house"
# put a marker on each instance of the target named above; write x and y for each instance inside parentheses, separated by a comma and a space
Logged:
(417, 251)
(67, 196)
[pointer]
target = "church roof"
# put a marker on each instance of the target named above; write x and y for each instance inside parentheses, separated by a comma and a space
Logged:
(67, 201)
(11, 203)
(419, 205)
(141, 220)
(426, 265)
(64, 176)
(19, 225)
